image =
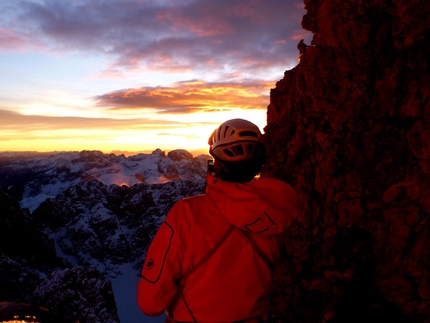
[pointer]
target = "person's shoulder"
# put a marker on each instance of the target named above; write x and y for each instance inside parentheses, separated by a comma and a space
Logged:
(201, 198)
(188, 203)
(183, 213)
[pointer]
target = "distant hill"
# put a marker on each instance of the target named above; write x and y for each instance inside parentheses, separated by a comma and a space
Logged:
(32, 177)
(195, 152)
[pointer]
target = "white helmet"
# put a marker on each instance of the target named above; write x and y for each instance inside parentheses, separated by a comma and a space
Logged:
(236, 140)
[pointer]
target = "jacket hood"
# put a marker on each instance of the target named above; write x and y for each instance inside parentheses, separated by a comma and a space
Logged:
(265, 206)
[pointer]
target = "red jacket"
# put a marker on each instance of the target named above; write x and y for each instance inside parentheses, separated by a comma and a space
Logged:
(234, 283)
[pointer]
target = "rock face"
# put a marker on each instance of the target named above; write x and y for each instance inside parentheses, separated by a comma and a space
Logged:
(31, 272)
(82, 293)
(349, 128)
(107, 226)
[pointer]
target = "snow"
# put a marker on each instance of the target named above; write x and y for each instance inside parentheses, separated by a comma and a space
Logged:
(51, 190)
(124, 288)
(119, 179)
(53, 173)
(33, 202)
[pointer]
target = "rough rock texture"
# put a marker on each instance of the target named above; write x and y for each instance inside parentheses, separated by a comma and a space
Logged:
(82, 293)
(110, 225)
(31, 272)
(349, 128)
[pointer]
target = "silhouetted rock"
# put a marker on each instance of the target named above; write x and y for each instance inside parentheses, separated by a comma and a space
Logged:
(348, 127)
(179, 154)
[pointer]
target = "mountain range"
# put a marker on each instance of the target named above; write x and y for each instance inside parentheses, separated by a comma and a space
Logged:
(75, 226)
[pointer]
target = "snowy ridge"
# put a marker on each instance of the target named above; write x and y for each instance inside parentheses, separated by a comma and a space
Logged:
(93, 216)
(34, 177)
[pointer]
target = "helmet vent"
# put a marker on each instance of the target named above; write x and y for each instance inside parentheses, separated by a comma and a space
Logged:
(249, 149)
(248, 134)
(238, 150)
(228, 152)
(257, 150)
(225, 130)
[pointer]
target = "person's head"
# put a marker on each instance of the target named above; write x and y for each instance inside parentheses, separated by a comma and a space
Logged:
(238, 150)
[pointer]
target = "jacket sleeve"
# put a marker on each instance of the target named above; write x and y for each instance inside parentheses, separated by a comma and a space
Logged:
(156, 289)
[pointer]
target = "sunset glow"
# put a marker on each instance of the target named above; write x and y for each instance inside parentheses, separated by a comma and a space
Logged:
(136, 76)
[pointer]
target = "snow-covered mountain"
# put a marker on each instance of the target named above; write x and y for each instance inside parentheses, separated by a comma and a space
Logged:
(94, 214)
(33, 177)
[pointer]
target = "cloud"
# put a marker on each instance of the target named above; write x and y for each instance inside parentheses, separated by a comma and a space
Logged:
(9, 40)
(172, 135)
(43, 133)
(171, 36)
(15, 122)
(190, 96)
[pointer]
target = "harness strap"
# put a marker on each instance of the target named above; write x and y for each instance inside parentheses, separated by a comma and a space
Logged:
(210, 253)
(260, 252)
(199, 264)
(248, 236)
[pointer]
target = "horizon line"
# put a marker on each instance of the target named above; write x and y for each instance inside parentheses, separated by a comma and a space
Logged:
(117, 152)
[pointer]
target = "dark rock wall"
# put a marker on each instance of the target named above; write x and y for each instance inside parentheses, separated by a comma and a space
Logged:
(349, 128)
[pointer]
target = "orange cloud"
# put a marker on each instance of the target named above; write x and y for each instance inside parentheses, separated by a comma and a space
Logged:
(190, 96)
(16, 122)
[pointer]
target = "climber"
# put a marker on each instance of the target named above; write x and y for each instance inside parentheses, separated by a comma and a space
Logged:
(212, 259)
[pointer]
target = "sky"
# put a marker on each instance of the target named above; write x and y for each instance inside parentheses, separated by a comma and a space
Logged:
(137, 75)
